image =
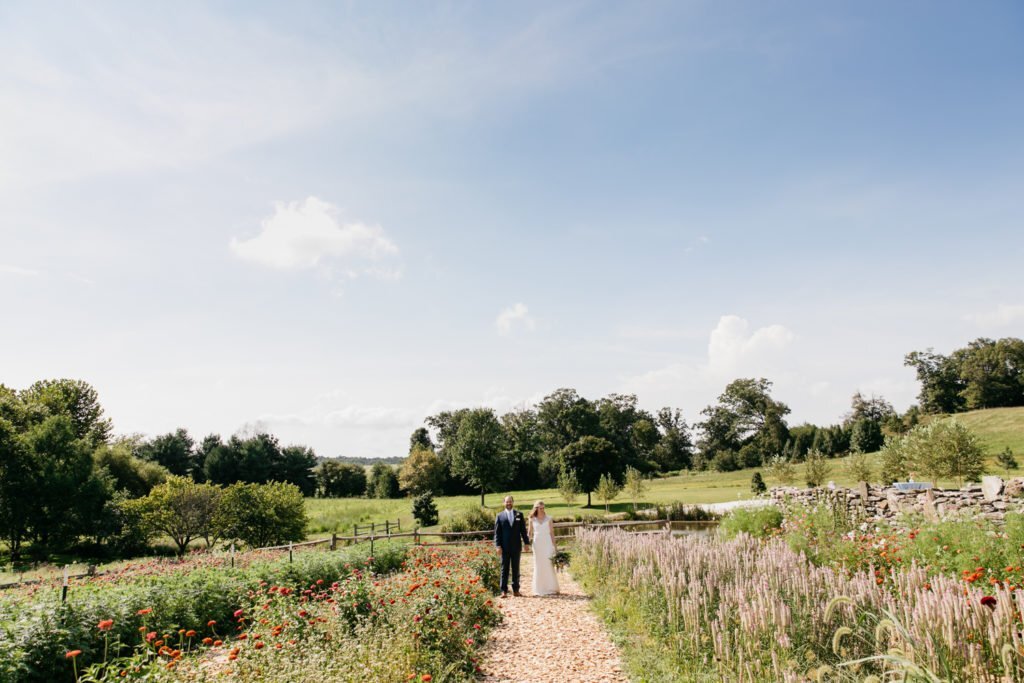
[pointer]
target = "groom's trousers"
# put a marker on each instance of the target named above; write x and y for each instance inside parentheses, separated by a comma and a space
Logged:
(510, 560)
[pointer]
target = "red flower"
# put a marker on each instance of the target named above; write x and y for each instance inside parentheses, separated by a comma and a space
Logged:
(989, 602)
(72, 654)
(144, 611)
(426, 677)
(105, 625)
(239, 613)
(211, 623)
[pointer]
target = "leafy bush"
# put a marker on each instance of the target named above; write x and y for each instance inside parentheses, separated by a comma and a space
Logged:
(424, 509)
(757, 522)
(470, 519)
(261, 515)
(681, 512)
(757, 485)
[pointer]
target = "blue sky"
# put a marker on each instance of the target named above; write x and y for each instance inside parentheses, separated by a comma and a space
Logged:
(334, 220)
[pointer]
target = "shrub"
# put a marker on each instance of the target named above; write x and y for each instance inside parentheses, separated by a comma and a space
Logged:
(757, 522)
(757, 485)
(568, 486)
(424, 509)
(262, 515)
(816, 468)
(781, 470)
(470, 519)
(1006, 460)
(860, 466)
(607, 489)
(681, 512)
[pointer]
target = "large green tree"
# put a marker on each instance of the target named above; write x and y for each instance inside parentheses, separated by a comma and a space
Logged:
(422, 472)
(340, 480)
(75, 399)
(173, 451)
(674, 450)
(985, 374)
(745, 420)
(588, 458)
(19, 473)
(478, 452)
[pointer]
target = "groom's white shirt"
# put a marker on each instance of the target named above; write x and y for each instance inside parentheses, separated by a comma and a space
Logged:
(510, 515)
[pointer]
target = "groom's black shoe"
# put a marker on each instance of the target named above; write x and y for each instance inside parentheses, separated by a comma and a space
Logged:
(517, 594)
(504, 594)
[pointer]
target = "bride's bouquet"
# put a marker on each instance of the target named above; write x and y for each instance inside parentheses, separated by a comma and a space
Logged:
(560, 560)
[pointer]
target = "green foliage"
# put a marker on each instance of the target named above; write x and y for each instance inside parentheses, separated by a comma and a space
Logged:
(261, 515)
(984, 374)
(383, 482)
(131, 474)
(75, 399)
(476, 452)
(420, 438)
(758, 522)
(745, 415)
(636, 485)
(424, 510)
(757, 485)
(860, 467)
(182, 510)
(422, 472)
(781, 470)
(681, 512)
(816, 468)
(939, 449)
(1006, 460)
(568, 486)
(589, 458)
(866, 436)
(174, 452)
(470, 519)
(607, 490)
(340, 480)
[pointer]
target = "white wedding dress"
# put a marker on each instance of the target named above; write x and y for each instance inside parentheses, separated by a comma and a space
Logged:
(544, 580)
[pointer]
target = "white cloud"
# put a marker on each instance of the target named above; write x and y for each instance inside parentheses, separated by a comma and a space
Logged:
(1000, 316)
(514, 316)
(307, 234)
(732, 347)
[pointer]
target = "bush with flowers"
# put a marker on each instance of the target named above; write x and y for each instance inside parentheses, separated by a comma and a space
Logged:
(348, 616)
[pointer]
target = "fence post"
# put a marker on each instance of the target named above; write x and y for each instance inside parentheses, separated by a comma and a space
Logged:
(355, 529)
(334, 540)
(64, 590)
(387, 527)
(373, 537)
(398, 522)
(289, 551)
(232, 554)
(416, 536)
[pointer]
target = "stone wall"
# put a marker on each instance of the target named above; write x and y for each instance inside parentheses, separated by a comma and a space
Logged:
(992, 498)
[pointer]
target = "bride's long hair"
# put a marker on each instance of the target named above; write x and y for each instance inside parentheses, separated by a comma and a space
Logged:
(536, 506)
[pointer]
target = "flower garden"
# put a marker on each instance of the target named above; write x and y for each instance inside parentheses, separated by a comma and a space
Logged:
(407, 613)
(815, 599)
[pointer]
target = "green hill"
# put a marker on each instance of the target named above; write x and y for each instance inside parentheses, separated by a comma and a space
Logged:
(997, 428)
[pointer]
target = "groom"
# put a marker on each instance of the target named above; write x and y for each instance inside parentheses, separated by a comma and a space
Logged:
(510, 537)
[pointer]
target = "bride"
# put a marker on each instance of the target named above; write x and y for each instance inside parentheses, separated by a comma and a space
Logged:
(542, 538)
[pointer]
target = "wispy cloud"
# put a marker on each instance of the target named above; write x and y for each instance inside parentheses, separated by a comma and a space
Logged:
(18, 270)
(517, 316)
(1000, 316)
(308, 234)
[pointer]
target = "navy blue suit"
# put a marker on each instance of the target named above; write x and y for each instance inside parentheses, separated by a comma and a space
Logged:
(510, 538)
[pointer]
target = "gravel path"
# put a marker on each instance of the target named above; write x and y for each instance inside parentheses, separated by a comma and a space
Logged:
(553, 638)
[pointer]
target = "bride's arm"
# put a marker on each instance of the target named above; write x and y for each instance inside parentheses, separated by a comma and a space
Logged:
(551, 528)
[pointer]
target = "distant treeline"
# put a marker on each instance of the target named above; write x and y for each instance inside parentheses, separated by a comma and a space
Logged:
(62, 472)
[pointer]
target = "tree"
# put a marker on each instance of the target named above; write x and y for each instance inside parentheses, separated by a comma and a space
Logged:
(675, 447)
(135, 476)
(588, 458)
(866, 435)
(173, 451)
(607, 490)
(781, 470)
(939, 449)
(636, 485)
(565, 417)
(524, 446)
(383, 482)
(477, 452)
(420, 438)
(77, 400)
(816, 468)
(568, 486)
(262, 515)
(62, 465)
(424, 510)
(1006, 460)
(860, 467)
(630, 429)
(181, 509)
(341, 480)
(940, 382)
(295, 466)
(894, 459)
(757, 485)
(421, 472)
(745, 415)
(18, 474)
(875, 409)
(985, 374)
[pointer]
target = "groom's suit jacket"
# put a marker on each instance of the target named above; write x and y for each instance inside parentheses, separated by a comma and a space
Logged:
(510, 537)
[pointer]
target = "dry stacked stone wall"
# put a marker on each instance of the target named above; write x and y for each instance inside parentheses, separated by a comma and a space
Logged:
(992, 498)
